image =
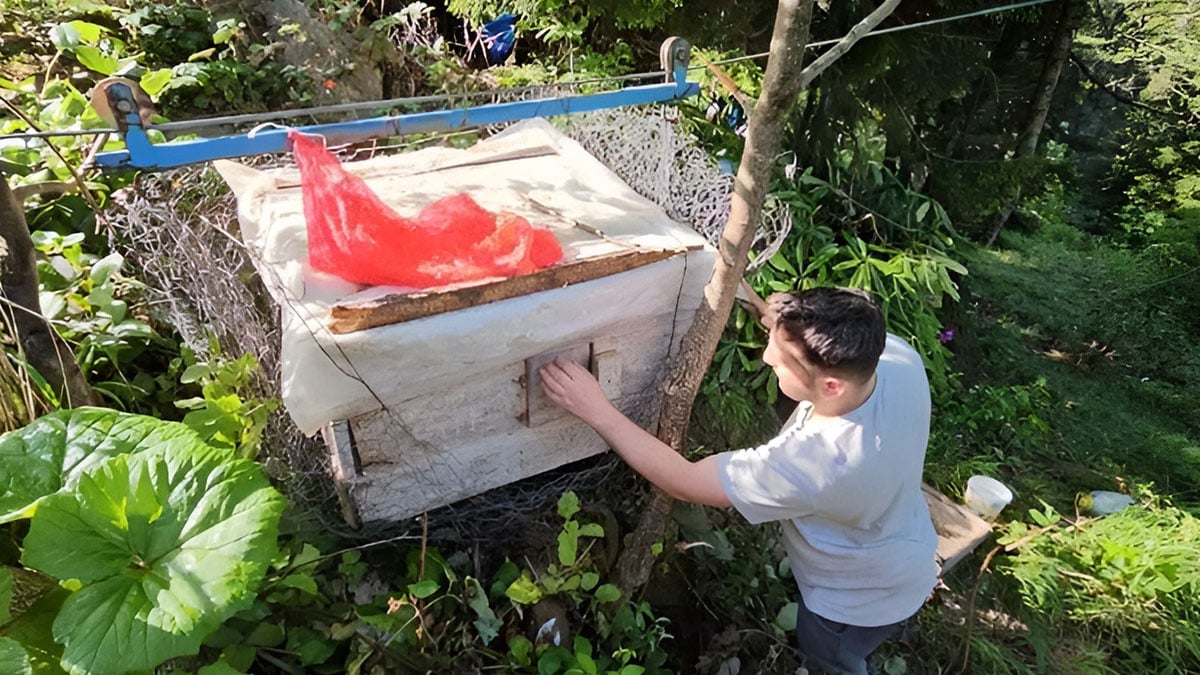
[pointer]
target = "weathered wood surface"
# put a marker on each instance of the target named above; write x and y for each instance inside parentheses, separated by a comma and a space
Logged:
(959, 530)
(539, 409)
(399, 307)
(470, 437)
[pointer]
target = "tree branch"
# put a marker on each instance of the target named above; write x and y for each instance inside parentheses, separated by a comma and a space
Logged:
(1123, 98)
(21, 312)
(856, 33)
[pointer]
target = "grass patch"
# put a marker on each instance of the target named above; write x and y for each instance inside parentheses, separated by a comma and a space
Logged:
(1116, 350)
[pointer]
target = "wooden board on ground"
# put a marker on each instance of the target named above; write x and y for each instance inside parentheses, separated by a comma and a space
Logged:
(959, 530)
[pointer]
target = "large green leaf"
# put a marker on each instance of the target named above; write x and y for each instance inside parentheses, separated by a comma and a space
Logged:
(165, 545)
(32, 630)
(49, 454)
(13, 659)
(6, 587)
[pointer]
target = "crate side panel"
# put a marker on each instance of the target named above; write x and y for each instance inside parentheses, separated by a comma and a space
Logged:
(469, 438)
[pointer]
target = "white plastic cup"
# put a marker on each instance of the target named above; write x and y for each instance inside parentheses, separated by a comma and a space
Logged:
(986, 497)
(1105, 503)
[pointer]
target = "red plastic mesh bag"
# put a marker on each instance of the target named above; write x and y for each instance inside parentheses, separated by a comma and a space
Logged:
(354, 235)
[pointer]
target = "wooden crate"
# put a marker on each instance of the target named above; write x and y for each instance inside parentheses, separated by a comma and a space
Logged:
(470, 434)
(428, 397)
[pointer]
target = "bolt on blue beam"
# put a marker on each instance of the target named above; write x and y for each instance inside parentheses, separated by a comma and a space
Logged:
(141, 153)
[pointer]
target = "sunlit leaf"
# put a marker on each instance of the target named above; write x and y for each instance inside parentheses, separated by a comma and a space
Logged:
(64, 37)
(51, 453)
(167, 544)
(89, 33)
(568, 505)
(13, 659)
(523, 591)
(568, 543)
(52, 304)
(154, 81)
(94, 59)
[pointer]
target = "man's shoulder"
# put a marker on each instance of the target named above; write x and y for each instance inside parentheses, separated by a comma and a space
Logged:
(902, 366)
(895, 343)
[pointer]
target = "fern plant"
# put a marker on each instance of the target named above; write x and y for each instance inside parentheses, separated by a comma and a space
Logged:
(1131, 578)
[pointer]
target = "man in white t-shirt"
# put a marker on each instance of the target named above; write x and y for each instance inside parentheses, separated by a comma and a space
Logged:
(843, 477)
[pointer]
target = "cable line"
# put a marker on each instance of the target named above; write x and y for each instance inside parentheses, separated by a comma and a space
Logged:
(202, 122)
(896, 29)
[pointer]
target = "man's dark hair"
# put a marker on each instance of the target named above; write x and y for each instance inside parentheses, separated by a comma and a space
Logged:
(835, 329)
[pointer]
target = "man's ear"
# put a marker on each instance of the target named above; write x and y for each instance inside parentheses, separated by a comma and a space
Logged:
(831, 387)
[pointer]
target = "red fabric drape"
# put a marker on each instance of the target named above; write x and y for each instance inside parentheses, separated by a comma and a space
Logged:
(354, 235)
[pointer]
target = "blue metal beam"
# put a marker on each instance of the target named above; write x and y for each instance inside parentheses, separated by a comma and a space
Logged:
(141, 153)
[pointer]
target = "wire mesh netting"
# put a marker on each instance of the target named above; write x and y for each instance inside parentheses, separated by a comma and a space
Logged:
(180, 229)
(648, 150)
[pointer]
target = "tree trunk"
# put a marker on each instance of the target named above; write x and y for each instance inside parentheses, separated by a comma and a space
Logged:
(1039, 105)
(984, 85)
(779, 91)
(782, 83)
(44, 350)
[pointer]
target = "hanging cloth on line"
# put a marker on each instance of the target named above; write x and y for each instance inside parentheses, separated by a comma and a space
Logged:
(354, 235)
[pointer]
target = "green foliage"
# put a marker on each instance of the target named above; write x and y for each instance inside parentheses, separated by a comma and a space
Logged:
(87, 297)
(212, 87)
(738, 575)
(567, 20)
(630, 630)
(184, 58)
(910, 283)
(737, 570)
(308, 616)
(1066, 343)
(1117, 353)
(53, 452)
(989, 430)
(58, 104)
(1045, 404)
(158, 536)
(170, 33)
(220, 415)
(866, 231)
(414, 610)
(213, 65)
(1130, 579)
(13, 658)
(1152, 46)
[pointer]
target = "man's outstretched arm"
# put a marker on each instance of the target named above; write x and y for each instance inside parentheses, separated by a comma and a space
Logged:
(574, 389)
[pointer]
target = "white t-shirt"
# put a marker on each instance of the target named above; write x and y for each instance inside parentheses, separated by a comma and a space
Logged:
(847, 493)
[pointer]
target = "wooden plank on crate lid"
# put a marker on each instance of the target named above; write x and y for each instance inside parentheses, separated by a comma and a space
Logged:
(354, 316)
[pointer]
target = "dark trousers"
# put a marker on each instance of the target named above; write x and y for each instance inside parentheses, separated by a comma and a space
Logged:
(837, 647)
